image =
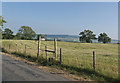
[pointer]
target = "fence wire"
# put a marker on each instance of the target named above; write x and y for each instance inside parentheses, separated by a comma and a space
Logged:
(77, 55)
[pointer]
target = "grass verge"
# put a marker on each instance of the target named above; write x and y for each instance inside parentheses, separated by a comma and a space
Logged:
(85, 73)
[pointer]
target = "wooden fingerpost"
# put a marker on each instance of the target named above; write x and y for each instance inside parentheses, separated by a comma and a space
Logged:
(46, 51)
(55, 47)
(60, 55)
(39, 41)
(93, 61)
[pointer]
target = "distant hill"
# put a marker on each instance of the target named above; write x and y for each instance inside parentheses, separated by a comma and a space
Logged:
(70, 38)
(67, 38)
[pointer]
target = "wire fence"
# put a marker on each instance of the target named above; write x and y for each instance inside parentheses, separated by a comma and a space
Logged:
(77, 55)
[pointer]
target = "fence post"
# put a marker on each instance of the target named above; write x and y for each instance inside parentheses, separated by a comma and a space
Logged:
(93, 61)
(55, 47)
(39, 41)
(25, 48)
(49, 59)
(46, 51)
(9, 46)
(16, 48)
(77, 61)
(60, 55)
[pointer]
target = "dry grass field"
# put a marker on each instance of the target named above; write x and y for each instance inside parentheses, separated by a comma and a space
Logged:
(78, 55)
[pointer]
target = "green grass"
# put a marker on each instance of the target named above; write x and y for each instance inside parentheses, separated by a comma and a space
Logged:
(76, 57)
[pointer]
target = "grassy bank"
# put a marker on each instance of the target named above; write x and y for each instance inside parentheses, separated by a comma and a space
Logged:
(77, 57)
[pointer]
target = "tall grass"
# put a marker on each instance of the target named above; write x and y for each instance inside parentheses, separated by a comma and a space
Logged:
(76, 57)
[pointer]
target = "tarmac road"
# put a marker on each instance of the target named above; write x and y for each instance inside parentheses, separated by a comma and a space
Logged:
(13, 70)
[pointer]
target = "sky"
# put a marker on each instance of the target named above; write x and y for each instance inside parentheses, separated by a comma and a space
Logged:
(60, 0)
(62, 17)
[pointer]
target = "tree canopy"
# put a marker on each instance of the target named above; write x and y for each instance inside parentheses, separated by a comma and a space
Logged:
(25, 32)
(2, 21)
(103, 37)
(7, 34)
(87, 36)
(1, 25)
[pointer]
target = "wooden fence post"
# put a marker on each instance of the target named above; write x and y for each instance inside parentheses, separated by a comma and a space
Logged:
(16, 48)
(55, 47)
(46, 51)
(49, 59)
(39, 41)
(60, 55)
(77, 61)
(25, 48)
(93, 61)
(9, 46)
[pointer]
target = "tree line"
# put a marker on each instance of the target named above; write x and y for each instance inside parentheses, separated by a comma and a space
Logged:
(26, 33)
(88, 36)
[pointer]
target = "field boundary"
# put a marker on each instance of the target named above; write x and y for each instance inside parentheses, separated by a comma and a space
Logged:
(52, 70)
(86, 73)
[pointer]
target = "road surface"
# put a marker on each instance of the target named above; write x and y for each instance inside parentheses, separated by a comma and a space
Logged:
(13, 70)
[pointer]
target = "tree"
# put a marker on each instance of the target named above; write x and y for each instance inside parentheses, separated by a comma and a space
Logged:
(8, 34)
(2, 21)
(103, 37)
(26, 33)
(1, 25)
(87, 36)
